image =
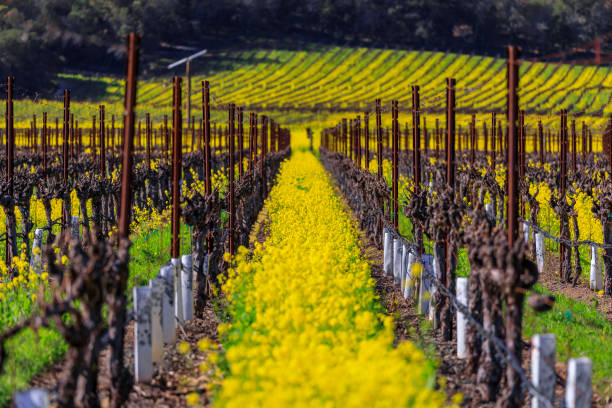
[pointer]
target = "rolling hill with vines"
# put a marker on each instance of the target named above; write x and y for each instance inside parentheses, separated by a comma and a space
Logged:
(351, 78)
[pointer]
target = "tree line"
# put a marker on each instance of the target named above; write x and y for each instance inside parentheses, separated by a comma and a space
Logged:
(39, 38)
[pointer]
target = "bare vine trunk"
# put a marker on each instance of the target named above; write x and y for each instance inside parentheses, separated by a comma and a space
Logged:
(48, 215)
(577, 265)
(473, 341)
(489, 371)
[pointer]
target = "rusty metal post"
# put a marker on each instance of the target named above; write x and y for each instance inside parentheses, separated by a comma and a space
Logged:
(513, 395)
(251, 131)
(44, 143)
(177, 145)
(563, 169)
(240, 143)
(34, 134)
(503, 140)
(102, 143)
(128, 137)
(573, 146)
(262, 160)
(459, 146)
(345, 137)
(512, 166)
(522, 145)
(450, 132)
(206, 115)
(10, 137)
(79, 139)
(366, 142)
(10, 155)
(353, 140)
(437, 138)
(395, 141)
(584, 140)
(472, 139)
(416, 143)
(379, 142)
(534, 144)
(232, 204)
(541, 139)
(358, 140)
(112, 136)
(563, 151)
(485, 133)
(255, 137)
(166, 138)
(148, 140)
(66, 135)
(117, 299)
(92, 139)
(416, 137)
(443, 247)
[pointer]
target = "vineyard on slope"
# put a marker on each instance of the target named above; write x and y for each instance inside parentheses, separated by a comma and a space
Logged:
(319, 85)
(323, 77)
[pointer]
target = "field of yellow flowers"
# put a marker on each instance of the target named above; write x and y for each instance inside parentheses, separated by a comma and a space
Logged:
(307, 328)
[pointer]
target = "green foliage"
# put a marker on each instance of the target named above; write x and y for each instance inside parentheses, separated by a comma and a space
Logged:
(28, 353)
(580, 330)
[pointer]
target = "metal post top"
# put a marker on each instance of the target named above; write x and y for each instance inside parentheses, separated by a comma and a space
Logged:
(187, 59)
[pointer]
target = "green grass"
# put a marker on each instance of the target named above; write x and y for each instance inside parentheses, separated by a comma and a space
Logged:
(28, 354)
(580, 330)
(151, 251)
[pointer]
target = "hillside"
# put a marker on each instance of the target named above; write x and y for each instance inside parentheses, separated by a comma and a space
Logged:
(351, 78)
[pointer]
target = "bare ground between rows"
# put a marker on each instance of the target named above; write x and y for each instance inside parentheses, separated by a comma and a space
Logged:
(450, 367)
(177, 376)
(408, 327)
(580, 292)
(453, 369)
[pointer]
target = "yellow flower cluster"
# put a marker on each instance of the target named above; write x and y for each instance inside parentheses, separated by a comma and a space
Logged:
(149, 219)
(218, 181)
(18, 294)
(307, 329)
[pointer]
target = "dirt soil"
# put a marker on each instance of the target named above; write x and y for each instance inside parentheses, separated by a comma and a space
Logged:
(409, 323)
(581, 292)
(172, 381)
(451, 368)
